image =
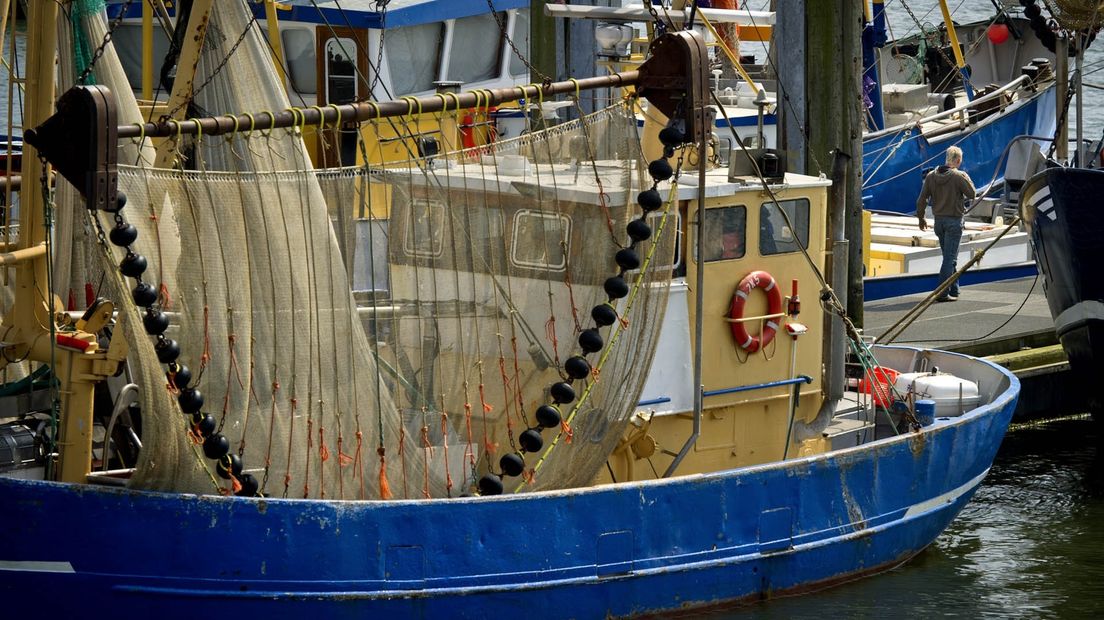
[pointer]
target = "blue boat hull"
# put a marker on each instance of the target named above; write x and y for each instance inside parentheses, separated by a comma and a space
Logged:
(893, 163)
(615, 550)
(889, 287)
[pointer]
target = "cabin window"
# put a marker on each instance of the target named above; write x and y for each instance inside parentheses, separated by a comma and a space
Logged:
(476, 48)
(725, 233)
(128, 44)
(299, 55)
(413, 55)
(775, 233)
(539, 240)
(425, 228)
(341, 76)
(520, 37)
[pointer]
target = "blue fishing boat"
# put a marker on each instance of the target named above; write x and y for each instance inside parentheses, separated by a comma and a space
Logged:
(619, 550)
(590, 388)
(927, 105)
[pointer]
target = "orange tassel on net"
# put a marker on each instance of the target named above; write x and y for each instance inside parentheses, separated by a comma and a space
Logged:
(385, 487)
(565, 428)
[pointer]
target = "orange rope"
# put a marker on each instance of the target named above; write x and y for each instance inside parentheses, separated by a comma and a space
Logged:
(323, 455)
(508, 400)
(341, 462)
(402, 457)
(358, 469)
(571, 293)
(517, 382)
(469, 451)
(565, 428)
(488, 447)
(310, 446)
(444, 441)
(425, 460)
(550, 333)
(385, 487)
(206, 357)
(291, 434)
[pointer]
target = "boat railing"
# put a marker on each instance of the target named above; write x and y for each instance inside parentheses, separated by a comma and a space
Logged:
(1000, 92)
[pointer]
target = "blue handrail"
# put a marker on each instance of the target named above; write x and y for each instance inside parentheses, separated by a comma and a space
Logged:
(654, 401)
(759, 386)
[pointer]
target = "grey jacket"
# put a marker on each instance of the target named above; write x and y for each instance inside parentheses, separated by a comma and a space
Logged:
(947, 188)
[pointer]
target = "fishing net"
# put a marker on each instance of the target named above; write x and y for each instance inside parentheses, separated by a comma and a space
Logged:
(484, 267)
(1077, 14)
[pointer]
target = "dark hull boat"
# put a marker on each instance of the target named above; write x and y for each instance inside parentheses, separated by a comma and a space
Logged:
(1059, 207)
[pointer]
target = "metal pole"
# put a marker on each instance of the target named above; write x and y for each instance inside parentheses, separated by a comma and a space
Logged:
(699, 303)
(1079, 89)
(1061, 140)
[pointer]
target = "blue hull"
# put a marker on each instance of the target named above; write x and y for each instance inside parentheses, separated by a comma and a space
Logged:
(893, 163)
(615, 550)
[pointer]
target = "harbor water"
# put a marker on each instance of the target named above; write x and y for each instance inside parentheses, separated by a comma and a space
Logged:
(1028, 544)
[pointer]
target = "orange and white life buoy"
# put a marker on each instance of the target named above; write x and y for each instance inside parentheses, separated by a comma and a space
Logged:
(753, 280)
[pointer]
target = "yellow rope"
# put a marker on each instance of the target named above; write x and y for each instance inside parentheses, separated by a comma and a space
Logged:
(728, 52)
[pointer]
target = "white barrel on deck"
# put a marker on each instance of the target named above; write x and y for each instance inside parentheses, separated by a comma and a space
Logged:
(952, 395)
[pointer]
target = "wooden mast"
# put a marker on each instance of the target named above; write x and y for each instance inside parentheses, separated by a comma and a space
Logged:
(834, 120)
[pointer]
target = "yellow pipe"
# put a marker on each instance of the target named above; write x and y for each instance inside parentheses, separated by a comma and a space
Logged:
(868, 12)
(952, 34)
(22, 255)
(147, 51)
(731, 56)
(274, 40)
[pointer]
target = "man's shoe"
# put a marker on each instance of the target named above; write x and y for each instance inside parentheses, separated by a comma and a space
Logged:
(947, 298)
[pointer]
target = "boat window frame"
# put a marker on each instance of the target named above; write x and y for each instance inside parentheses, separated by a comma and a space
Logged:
(308, 59)
(743, 236)
(539, 214)
(439, 66)
(437, 234)
(798, 241)
(456, 27)
(523, 45)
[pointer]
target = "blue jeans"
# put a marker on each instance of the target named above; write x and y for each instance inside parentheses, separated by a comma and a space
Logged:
(949, 231)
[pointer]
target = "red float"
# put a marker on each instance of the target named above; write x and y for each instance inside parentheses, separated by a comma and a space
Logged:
(998, 33)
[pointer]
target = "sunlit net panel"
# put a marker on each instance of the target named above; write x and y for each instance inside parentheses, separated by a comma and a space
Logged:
(497, 256)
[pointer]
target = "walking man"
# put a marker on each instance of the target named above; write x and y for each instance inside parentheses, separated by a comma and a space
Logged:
(949, 188)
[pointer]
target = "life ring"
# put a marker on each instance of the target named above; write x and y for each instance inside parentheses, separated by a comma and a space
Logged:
(765, 281)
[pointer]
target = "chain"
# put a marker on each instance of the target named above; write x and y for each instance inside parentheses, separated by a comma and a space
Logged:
(501, 21)
(214, 73)
(103, 44)
(381, 6)
(660, 27)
